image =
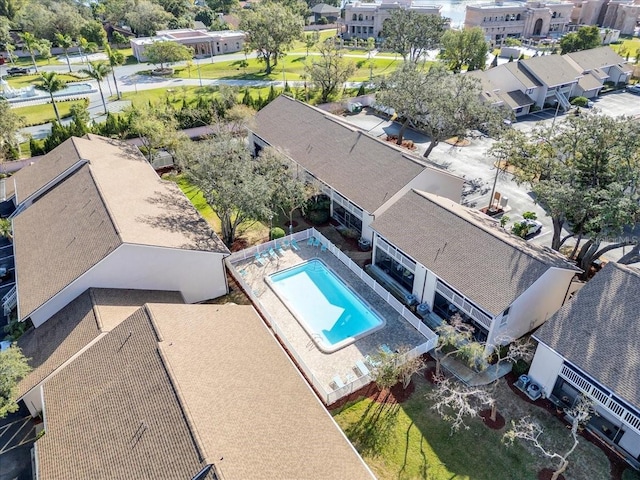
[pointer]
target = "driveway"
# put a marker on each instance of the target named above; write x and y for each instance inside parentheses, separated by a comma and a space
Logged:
(17, 435)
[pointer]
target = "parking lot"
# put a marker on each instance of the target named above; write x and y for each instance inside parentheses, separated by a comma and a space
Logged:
(17, 434)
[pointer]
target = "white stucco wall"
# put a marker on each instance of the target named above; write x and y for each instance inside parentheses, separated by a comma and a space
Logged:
(33, 400)
(535, 305)
(367, 220)
(197, 275)
(545, 368)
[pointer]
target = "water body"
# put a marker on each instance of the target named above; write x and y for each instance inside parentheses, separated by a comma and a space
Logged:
(454, 9)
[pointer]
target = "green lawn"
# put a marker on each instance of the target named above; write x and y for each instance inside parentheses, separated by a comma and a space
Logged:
(26, 80)
(39, 114)
(175, 96)
(410, 441)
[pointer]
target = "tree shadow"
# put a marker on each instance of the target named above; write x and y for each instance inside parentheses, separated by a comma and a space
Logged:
(375, 427)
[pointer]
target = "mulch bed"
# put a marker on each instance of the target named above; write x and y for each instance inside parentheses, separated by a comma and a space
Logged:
(239, 243)
(408, 144)
(547, 474)
(499, 422)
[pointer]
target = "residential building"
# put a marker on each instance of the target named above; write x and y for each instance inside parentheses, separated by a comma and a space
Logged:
(603, 64)
(454, 259)
(533, 19)
(331, 13)
(93, 213)
(364, 20)
(203, 42)
(182, 392)
(590, 347)
(362, 176)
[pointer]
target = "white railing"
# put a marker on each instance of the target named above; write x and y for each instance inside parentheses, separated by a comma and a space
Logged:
(328, 396)
(605, 399)
(10, 300)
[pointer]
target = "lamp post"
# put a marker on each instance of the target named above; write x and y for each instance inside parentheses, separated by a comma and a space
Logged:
(199, 76)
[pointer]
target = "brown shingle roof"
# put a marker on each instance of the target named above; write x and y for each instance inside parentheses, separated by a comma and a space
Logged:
(59, 238)
(78, 324)
(553, 70)
(33, 177)
(598, 330)
(365, 170)
(113, 413)
(462, 246)
(113, 409)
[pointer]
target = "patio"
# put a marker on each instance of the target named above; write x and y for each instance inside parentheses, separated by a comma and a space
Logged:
(321, 368)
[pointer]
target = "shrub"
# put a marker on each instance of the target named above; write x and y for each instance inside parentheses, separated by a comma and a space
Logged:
(323, 21)
(580, 101)
(520, 368)
(277, 232)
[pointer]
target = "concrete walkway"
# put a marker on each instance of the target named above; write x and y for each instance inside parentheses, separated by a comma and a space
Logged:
(470, 377)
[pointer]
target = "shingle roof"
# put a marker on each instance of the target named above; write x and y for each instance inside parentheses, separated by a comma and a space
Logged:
(462, 246)
(252, 422)
(113, 413)
(74, 327)
(113, 198)
(598, 330)
(589, 82)
(596, 58)
(33, 177)
(365, 170)
(516, 99)
(551, 69)
(521, 74)
(323, 8)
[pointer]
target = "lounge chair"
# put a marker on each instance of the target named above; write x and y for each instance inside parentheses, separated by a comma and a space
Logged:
(323, 247)
(385, 348)
(316, 242)
(279, 250)
(272, 254)
(259, 260)
(286, 244)
(295, 245)
(338, 382)
(372, 361)
(311, 241)
(362, 368)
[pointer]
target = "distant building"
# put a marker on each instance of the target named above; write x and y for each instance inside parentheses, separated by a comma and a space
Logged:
(364, 20)
(331, 13)
(203, 43)
(533, 19)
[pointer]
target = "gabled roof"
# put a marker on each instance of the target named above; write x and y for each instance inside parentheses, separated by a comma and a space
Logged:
(192, 376)
(598, 330)
(516, 99)
(466, 249)
(595, 58)
(96, 311)
(114, 197)
(365, 170)
(589, 82)
(521, 74)
(552, 70)
(323, 8)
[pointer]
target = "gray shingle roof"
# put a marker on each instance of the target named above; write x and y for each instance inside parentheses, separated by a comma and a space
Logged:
(365, 170)
(551, 69)
(589, 82)
(465, 248)
(113, 413)
(171, 378)
(323, 9)
(598, 330)
(596, 58)
(74, 327)
(521, 74)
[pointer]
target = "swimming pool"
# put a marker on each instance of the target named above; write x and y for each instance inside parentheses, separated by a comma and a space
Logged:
(328, 310)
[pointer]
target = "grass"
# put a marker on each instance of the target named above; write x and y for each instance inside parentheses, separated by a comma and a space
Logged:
(39, 114)
(175, 96)
(26, 80)
(410, 441)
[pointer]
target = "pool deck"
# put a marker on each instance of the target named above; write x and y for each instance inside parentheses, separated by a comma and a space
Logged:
(325, 366)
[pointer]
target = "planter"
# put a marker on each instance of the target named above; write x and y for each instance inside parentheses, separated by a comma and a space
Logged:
(364, 244)
(161, 72)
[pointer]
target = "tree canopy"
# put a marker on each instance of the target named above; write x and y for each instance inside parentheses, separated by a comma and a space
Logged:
(465, 47)
(10, 123)
(13, 367)
(329, 70)
(411, 33)
(584, 39)
(271, 28)
(585, 172)
(160, 53)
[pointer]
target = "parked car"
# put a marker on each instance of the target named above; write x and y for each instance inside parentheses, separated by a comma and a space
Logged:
(635, 89)
(17, 71)
(533, 227)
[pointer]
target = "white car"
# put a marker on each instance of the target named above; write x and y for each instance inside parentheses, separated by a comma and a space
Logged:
(533, 227)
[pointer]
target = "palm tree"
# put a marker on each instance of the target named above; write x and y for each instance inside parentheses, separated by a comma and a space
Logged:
(6, 229)
(52, 83)
(116, 58)
(31, 44)
(65, 42)
(98, 71)
(83, 43)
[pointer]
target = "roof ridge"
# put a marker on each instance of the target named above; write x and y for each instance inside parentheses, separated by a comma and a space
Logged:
(96, 311)
(105, 203)
(520, 244)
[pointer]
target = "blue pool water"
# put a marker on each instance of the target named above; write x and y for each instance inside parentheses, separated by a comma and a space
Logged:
(329, 311)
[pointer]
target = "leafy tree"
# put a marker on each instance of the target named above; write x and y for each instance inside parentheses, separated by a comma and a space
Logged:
(116, 59)
(51, 83)
(465, 47)
(14, 366)
(65, 42)
(584, 39)
(585, 171)
(329, 70)
(310, 39)
(163, 52)
(456, 338)
(222, 168)
(31, 45)
(5, 37)
(10, 124)
(271, 28)
(531, 431)
(98, 71)
(94, 32)
(83, 46)
(156, 125)
(224, 6)
(145, 18)
(389, 368)
(206, 16)
(9, 8)
(411, 33)
(118, 38)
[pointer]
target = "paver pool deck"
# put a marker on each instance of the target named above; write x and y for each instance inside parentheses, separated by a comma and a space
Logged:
(325, 366)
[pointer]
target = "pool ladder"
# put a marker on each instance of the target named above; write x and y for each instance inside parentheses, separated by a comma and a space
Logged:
(311, 344)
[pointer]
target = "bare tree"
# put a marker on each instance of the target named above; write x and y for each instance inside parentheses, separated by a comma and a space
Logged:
(391, 367)
(456, 338)
(531, 431)
(455, 401)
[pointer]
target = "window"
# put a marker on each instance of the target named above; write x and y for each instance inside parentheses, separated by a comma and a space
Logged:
(354, 18)
(360, 17)
(505, 317)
